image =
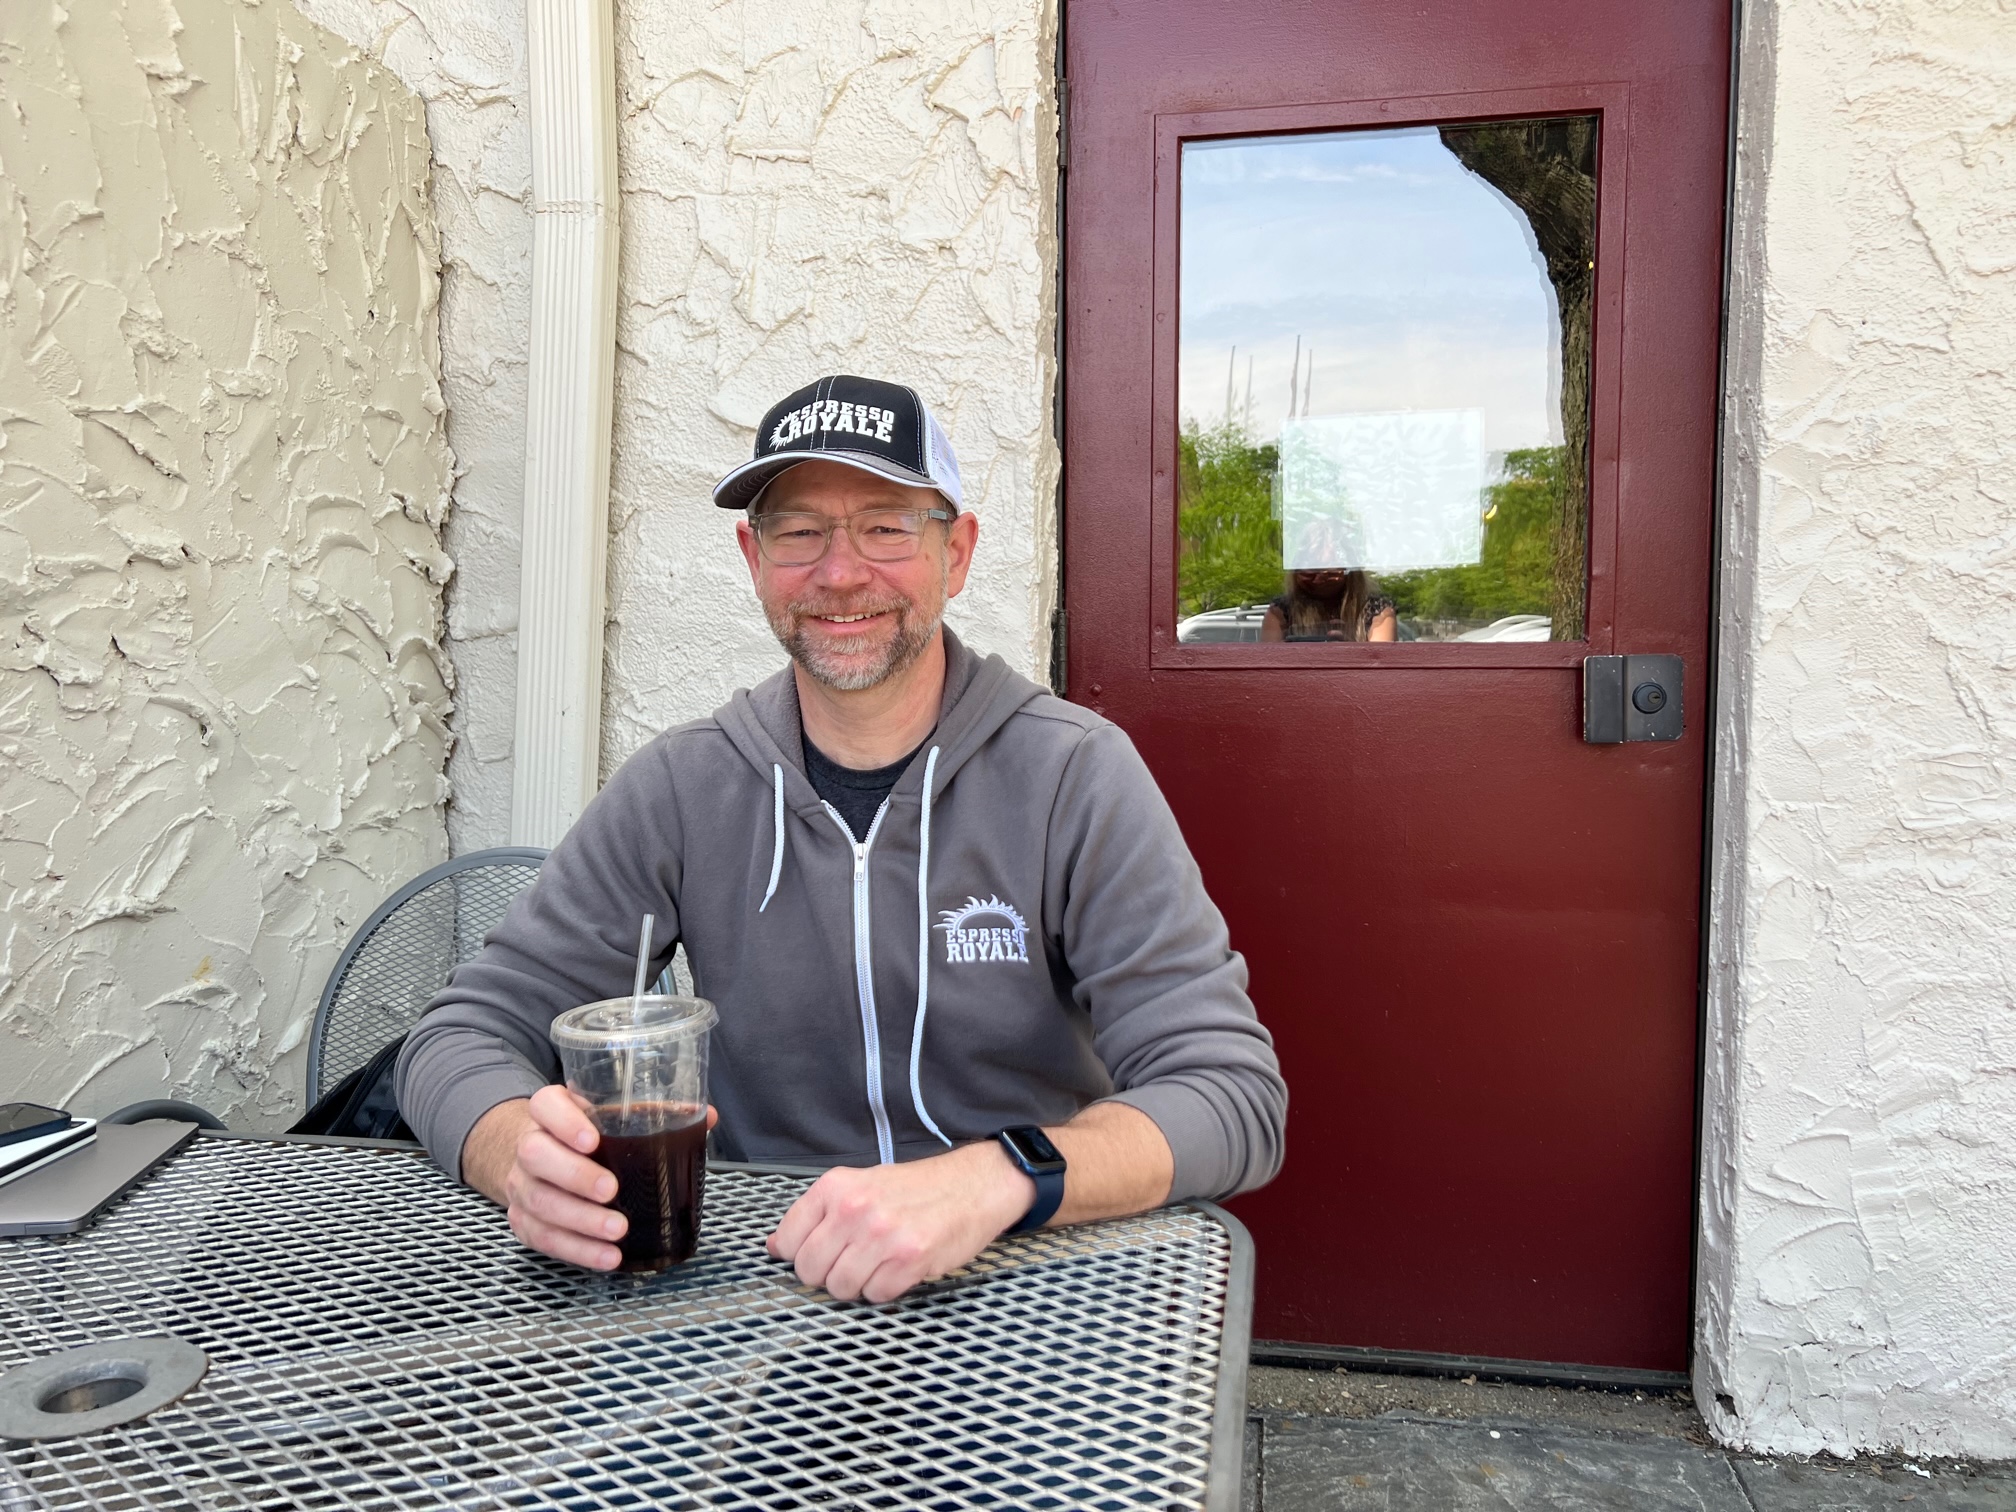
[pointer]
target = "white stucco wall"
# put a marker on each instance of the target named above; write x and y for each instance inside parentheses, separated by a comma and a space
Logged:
(466, 60)
(812, 186)
(1859, 1257)
(222, 476)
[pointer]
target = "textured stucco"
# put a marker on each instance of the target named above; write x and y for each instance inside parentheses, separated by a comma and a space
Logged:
(222, 476)
(466, 60)
(1858, 1263)
(813, 186)
(808, 187)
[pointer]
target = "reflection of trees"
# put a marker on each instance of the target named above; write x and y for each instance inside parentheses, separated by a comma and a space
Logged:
(1229, 539)
(1548, 169)
(1515, 572)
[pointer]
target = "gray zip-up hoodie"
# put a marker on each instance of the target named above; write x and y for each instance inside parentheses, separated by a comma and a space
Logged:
(1021, 933)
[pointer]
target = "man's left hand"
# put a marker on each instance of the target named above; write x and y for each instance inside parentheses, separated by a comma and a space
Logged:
(876, 1231)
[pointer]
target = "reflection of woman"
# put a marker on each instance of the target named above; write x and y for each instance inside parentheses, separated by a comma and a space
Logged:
(1331, 603)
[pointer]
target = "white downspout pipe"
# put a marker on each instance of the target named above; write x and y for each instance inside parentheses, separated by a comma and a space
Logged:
(557, 754)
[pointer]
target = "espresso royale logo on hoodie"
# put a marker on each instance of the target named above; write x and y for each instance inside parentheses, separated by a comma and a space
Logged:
(968, 941)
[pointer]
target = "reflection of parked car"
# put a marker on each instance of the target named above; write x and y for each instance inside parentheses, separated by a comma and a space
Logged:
(1514, 627)
(1230, 626)
(1222, 625)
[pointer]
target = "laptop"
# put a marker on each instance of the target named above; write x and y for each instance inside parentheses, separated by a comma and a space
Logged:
(20, 1156)
(64, 1196)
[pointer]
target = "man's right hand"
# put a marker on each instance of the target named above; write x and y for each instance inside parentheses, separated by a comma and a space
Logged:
(530, 1155)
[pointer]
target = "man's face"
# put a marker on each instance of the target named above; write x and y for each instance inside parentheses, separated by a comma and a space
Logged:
(849, 622)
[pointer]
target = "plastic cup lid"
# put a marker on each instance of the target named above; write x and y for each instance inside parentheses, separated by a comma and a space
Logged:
(618, 1023)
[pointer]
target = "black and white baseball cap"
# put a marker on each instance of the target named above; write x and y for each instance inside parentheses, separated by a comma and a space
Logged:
(881, 428)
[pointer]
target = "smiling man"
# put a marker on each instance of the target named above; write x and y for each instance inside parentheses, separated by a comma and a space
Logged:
(960, 952)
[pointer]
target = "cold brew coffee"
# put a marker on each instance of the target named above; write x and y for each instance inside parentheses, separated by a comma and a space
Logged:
(660, 1179)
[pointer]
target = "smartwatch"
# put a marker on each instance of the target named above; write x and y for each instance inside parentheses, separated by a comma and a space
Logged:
(1036, 1158)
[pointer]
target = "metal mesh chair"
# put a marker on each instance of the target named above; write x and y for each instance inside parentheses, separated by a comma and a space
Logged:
(403, 954)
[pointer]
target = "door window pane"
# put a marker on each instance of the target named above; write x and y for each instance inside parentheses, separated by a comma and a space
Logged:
(1383, 384)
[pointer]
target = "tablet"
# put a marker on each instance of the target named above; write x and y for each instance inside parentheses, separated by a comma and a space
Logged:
(63, 1197)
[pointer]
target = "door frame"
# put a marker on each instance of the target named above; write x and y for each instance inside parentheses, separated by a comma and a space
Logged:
(1720, 716)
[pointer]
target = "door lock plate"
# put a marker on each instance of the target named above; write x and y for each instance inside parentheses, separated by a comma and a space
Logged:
(1631, 698)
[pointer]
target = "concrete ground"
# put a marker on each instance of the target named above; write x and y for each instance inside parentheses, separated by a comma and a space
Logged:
(1352, 1442)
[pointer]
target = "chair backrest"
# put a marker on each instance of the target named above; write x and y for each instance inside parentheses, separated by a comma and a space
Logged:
(403, 953)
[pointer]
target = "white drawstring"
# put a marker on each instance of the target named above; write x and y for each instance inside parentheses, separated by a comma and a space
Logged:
(777, 845)
(924, 947)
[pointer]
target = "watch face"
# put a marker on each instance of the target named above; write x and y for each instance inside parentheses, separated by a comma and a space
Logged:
(1034, 1146)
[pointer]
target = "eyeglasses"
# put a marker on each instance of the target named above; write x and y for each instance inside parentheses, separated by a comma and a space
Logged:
(879, 535)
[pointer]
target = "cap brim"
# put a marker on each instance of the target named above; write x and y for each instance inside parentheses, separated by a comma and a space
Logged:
(739, 489)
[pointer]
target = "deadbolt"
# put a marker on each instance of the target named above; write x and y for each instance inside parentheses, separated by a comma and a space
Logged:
(1631, 698)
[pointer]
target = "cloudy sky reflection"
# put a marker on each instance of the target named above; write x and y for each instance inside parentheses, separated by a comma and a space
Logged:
(1416, 283)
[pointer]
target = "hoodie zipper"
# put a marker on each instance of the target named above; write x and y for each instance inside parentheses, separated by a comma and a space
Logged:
(864, 980)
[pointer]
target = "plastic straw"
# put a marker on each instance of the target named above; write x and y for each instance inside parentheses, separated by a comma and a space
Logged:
(643, 964)
(636, 1011)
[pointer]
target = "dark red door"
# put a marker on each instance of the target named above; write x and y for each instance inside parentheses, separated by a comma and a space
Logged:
(1340, 593)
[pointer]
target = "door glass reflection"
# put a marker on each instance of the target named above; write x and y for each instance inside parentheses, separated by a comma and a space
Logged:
(1383, 384)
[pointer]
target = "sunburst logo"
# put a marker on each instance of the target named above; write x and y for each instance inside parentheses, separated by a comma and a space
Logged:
(967, 940)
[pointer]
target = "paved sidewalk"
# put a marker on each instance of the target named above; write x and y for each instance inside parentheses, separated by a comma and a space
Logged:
(1342, 1443)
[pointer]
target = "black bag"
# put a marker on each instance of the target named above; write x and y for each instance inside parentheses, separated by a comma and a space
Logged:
(362, 1105)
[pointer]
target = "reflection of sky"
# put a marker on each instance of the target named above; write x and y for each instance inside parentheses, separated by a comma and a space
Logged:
(1416, 283)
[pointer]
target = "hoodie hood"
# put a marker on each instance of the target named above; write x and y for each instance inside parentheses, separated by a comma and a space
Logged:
(981, 695)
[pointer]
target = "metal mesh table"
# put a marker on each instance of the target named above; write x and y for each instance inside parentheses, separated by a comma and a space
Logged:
(378, 1339)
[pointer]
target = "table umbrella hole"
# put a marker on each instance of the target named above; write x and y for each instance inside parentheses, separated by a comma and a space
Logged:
(115, 1385)
(96, 1386)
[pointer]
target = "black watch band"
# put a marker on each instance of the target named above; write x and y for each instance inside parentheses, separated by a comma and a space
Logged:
(1038, 1159)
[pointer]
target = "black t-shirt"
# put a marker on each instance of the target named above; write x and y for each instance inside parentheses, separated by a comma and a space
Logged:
(855, 793)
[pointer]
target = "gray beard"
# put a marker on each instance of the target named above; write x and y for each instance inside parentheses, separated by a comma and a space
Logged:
(914, 630)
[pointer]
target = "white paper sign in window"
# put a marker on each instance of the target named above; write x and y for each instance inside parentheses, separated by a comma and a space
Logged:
(1396, 491)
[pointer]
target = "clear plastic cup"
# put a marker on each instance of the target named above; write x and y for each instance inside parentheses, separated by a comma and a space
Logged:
(639, 1068)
